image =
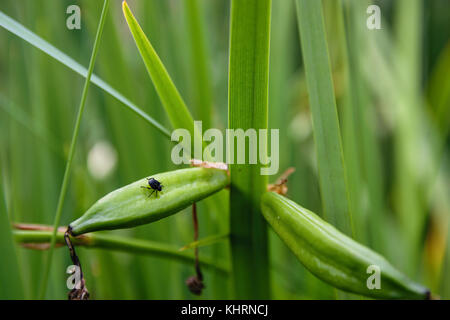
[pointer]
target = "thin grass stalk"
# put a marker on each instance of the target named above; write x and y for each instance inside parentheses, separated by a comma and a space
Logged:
(248, 108)
(127, 133)
(39, 240)
(119, 120)
(67, 171)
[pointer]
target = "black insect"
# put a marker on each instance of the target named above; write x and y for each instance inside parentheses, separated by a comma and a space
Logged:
(154, 185)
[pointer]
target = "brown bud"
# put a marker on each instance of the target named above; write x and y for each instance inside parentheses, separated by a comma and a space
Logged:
(79, 294)
(195, 285)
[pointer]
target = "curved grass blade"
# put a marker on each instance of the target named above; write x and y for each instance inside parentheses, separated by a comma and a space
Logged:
(65, 183)
(174, 105)
(171, 99)
(22, 32)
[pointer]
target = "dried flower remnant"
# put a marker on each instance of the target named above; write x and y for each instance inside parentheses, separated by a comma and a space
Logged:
(280, 186)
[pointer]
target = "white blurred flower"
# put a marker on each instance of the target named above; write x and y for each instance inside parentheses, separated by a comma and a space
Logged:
(300, 127)
(101, 160)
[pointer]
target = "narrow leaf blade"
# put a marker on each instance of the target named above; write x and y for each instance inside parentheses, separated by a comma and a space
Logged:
(324, 115)
(176, 109)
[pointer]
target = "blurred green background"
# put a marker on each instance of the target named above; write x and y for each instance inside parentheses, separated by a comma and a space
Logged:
(394, 111)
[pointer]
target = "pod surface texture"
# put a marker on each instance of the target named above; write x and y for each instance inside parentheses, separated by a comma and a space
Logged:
(332, 256)
(131, 205)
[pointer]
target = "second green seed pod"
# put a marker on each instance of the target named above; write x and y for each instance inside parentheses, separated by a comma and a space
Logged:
(334, 257)
(131, 205)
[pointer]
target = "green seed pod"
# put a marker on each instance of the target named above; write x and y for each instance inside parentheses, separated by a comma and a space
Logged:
(332, 256)
(131, 205)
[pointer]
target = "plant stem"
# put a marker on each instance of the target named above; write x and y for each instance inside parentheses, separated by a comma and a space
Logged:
(195, 223)
(248, 109)
(39, 238)
(63, 192)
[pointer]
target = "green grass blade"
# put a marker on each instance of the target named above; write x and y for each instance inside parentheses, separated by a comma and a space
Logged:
(203, 99)
(353, 130)
(32, 38)
(34, 238)
(248, 108)
(324, 115)
(63, 191)
(171, 99)
(370, 157)
(10, 279)
(327, 137)
(410, 204)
